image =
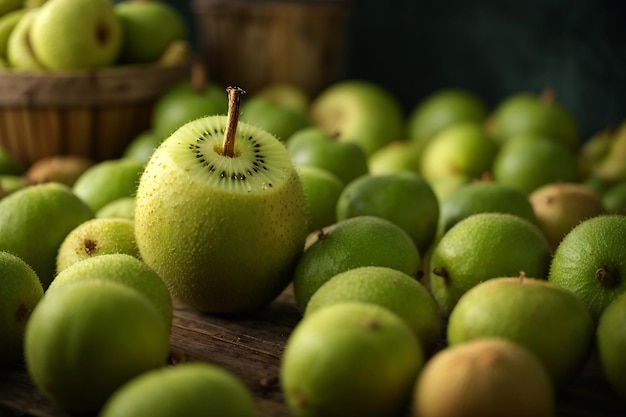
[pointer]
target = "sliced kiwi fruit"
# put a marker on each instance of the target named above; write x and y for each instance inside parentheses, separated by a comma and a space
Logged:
(221, 214)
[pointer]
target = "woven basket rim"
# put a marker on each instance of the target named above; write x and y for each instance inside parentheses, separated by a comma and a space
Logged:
(123, 84)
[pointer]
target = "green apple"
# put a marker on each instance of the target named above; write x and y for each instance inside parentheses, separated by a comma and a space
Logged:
(611, 165)
(149, 26)
(20, 55)
(8, 22)
(359, 111)
(123, 207)
(279, 120)
(399, 155)
(142, 146)
(322, 189)
(286, 94)
(11, 183)
(312, 146)
(76, 34)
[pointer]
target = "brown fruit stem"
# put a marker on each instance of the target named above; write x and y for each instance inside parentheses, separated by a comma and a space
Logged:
(442, 273)
(607, 278)
(234, 102)
(547, 95)
(198, 77)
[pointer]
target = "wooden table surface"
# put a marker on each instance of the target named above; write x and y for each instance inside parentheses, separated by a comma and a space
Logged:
(251, 347)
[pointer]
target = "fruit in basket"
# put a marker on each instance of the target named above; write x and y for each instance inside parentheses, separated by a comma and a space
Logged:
(559, 207)
(221, 214)
(35, 220)
(484, 246)
(148, 27)
(349, 359)
(312, 146)
(351, 243)
(108, 180)
(8, 21)
(125, 269)
(113, 332)
(58, 168)
(590, 262)
(359, 111)
(21, 291)
(488, 377)
(76, 34)
(537, 314)
(463, 148)
(404, 198)
(322, 189)
(279, 120)
(389, 288)
(20, 55)
(95, 237)
(190, 389)
(611, 342)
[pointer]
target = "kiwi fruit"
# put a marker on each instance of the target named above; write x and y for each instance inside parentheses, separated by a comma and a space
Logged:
(60, 168)
(221, 214)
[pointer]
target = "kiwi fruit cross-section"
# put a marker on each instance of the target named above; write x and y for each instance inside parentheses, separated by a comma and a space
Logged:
(221, 214)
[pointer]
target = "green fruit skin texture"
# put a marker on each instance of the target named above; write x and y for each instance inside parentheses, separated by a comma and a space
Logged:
(189, 389)
(20, 291)
(354, 242)
(595, 244)
(548, 320)
(484, 246)
(35, 220)
(350, 359)
(84, 341)
(218, 250)
(611, 344)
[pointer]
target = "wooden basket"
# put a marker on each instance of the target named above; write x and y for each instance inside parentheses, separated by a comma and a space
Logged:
(252, 43)
(88, 113)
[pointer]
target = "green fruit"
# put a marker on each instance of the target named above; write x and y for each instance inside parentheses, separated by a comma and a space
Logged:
(351, 243)
(614, 199)
(6, 6)
(393, 157)
(108, 180)
(11, 183)
(281, 121)
(311, 146)
(190, 389)
(529, 161)
(8, 21)
(123, 207)
(148, 28)
(95, 237)
(125, 269)
(322, 189)
(359, 111)
(590, 262)
(349, 359)
(389, 288)
(285, 94)
(85, 340)
(534, 313)
(35, 220)
(488, 377)
(403, 198)
(76, 34)
(20, 55)
(610, 342)
(484, 246)
(142, 146)
(222, 218)
(20, 292)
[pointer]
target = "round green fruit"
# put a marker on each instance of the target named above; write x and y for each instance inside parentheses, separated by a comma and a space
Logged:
(611, 343)
(322, 189)
(142, 146)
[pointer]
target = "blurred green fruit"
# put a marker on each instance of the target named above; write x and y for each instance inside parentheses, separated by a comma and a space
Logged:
(322, 189)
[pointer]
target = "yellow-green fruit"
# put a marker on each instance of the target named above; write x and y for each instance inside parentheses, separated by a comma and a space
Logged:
(8, 21)
(84, 341)
(350, 359)
(189, 389)
(125, 269)
(611, 343)
(20, 291)
(223, 232)
(489, 377)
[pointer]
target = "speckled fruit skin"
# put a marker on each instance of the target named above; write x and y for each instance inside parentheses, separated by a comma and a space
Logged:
(219, 250)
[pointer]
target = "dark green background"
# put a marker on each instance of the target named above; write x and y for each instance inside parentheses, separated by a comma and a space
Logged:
(494, 48)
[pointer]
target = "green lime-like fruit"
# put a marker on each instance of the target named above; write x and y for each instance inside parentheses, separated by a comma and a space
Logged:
(108, 180)
(350, 359)
(190, 389)
(95, 237)
(389, 288)
(287, 94)
(279, 120)
(322, 189)
(142, 146)
(351, 243)
(221, 214)
(487, 377)
(484, 246)
(614, 199)
(611, 343)
(404, 198)
(534, 313)
(35, 220)
(123, 207)
(399, 155)
(590, 262)
(125, 269)
(86, 339)
(20, 293)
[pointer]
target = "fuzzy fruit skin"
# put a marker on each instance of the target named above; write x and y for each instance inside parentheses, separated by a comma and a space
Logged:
(216, 250)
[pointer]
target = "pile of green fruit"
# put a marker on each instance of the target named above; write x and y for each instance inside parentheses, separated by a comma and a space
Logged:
(57, 35)
(454, 261)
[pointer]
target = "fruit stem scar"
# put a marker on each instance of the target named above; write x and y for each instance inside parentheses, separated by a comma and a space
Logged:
(234, 102)
(606, 278)
(442, 273)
